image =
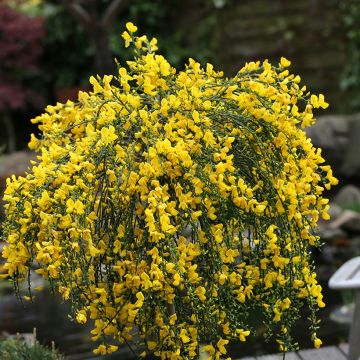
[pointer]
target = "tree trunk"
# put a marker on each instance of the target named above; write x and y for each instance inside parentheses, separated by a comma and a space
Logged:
(104, 61)
(10, 132)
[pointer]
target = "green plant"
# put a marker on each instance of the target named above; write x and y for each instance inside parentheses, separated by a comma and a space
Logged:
(351, 77)
(61, 68)
(13, 349)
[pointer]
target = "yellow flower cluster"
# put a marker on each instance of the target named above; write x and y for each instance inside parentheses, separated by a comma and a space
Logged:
(169, 206)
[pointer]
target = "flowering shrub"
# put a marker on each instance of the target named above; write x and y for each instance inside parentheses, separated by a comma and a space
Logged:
(167, 206)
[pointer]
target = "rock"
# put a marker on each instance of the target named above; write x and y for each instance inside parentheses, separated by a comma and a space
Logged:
(326, 230)
(352, 225)
(335, 211)
(349, 221)
(15, 163)
(327, 254)
(355, 245)
(331, 131)
(347, 196)
(351, 164)
(338, 135)
(5, 288)
(328, 234)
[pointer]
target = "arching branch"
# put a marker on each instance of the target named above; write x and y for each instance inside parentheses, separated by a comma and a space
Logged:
(78, 12)
(112, 11)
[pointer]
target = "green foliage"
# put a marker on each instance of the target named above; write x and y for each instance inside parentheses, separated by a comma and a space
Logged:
(68, 55)
(13, 349)
(351, 77)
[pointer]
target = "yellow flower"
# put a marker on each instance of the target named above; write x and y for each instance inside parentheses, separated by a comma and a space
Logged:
(131, 27)
(242, 334)
(172, 319)
(45, 200)
(151, 345)
(125, 35)
(318, 101)
(285, 62)
(183, 336)
(112, 348)
(140, 299)
(200, 292)
(166, 204)
(100, 350)
(108, 135)
(221, 345)
(177, 280)
(81, 317)
(317, 342)
(277, 316)
(209, 349)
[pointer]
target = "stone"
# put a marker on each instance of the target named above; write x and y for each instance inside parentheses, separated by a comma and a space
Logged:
(328, 233)
(348, 221)
(335, 211)
(351, 164)
(16, 163)
(355, 245)
(352, 225)
(337, 136)
(331, 131)
(347, 196)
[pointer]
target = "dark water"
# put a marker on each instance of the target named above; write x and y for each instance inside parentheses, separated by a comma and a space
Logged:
(50, 317)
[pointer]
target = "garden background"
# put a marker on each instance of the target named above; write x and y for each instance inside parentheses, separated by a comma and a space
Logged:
(48, 50)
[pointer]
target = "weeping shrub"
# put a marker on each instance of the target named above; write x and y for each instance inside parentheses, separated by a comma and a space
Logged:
(167, 207)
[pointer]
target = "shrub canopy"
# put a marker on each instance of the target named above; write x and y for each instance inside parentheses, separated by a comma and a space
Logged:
(168, 206)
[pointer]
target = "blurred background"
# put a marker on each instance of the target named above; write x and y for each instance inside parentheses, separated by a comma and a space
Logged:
(49, 48)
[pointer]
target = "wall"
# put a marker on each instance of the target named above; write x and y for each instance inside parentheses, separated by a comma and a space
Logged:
(310, 33)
